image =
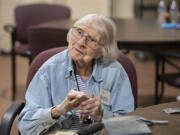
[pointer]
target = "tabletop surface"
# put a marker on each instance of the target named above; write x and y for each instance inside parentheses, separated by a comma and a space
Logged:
(132, 30)
(144, 30)
(156, 112)
(136, 34)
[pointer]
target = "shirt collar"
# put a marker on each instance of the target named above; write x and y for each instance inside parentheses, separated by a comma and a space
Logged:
(69, 66)
(97, 69)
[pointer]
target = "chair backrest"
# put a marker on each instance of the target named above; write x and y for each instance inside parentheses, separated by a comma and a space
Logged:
(131, 71)
(123, 59)
(39, 60)
(27, 15)
(42, 38)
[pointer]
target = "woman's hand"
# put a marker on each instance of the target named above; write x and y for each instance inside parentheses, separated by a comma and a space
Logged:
(62, 108)
(91, 107)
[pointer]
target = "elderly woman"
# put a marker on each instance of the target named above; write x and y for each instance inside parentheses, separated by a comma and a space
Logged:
(88, 67)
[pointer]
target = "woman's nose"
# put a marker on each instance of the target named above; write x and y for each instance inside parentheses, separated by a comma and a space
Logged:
(82, 41)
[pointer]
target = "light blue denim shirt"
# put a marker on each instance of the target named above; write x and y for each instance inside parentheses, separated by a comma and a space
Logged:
(55, 79)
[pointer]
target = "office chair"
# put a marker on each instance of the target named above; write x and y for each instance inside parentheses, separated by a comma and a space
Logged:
(161, 77)
(25, 16)
(16, 107)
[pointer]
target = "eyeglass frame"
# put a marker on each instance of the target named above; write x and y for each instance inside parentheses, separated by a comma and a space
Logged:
(87, 37)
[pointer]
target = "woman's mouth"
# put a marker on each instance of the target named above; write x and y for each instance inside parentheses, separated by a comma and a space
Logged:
(77, 50)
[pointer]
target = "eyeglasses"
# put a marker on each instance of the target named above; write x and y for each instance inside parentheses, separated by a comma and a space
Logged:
(80, 33)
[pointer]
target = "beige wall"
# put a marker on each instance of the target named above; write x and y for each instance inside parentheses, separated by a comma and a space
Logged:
(121, 8)
(83, 7)
(79, 8)
(5, 16)
(124, 8)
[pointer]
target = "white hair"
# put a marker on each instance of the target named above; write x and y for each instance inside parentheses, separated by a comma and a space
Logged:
(106, 27)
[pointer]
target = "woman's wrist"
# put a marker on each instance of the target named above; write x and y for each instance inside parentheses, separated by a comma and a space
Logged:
(57, 111)
(53, 113)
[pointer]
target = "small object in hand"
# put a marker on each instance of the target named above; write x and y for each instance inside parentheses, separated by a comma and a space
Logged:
(76, 102)
(85, 117)
(171, 110)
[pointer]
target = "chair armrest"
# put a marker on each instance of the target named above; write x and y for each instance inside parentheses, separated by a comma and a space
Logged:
(9, 116)
(9, 28)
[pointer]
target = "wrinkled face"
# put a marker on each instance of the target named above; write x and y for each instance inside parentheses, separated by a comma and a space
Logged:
(85, 44)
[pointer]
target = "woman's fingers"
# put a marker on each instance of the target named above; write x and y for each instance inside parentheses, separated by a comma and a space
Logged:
(87, 107)
(71, 95)
(88, 112)
(90, 101)
(74, 94)
(91, 107)
(80, 94)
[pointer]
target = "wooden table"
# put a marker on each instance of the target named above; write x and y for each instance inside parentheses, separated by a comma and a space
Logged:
(156, 112)
(141, 34)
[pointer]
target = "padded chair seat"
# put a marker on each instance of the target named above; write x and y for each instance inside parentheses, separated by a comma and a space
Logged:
(23, 50)
(172, 79)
